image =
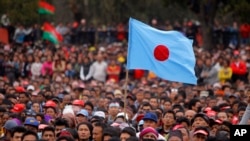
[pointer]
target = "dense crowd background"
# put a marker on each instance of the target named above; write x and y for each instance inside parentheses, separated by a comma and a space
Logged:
(75, 90)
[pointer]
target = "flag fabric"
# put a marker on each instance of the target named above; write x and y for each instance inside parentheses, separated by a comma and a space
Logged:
(169, 54)
(50, 33)
(46, 8)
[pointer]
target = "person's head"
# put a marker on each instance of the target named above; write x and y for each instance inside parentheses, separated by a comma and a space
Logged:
(139, 95)
(89, 107)
(150, 120)
(175, 135)
(200, 119)
(31, 123)
(167, 104)
(195, 105)
(36, 107)
(184, 131)
(60, 124)
(48, 133)
(29, 136)
(200, 134)
(84, 130)
(126, 133)
(114, 108)
(154, 102)
(190, 114)
(24, 98)
(98, 131)
(82, 116)
(110, 132)
(51, 111)
(169, 118)
(222, 116)
(148, 133)
(146, 107)
(8, 126)
(17, 133)
(65, 138)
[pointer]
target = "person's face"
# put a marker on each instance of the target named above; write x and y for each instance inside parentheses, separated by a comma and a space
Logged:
(83, 132)
(106, 138)
(146, 109)
(30, 138)
(199, 122)
(167, 105)
(67, 99)
(59, 128)
(222, 116)
(89, 109)
(199, 137)
(36, 107)
(149, 123)
(17, 136)
(197, 106)
(179, 114)
(214, 129)
(32, 128)
(168, 119)
(124, 136)
(113, 110)
(212, 103)
(185, 134)
(23, 98)
(149, 136)
(5, 118)
(81, 118)
(174, 138)
(48, 136)
(97, 133)
(51, 112)
(153, 102)
(139, 96)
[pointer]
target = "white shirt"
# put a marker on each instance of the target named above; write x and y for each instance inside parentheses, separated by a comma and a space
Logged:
(98, 71)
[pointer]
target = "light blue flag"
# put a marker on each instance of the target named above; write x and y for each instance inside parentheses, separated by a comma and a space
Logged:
(169, 54)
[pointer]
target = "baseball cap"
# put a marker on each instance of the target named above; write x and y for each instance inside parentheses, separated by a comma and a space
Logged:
(9, 124)
(83, 112)
(150, 116)
(149, 130)
(99, 114)
(122, 114)
(201, 130)
(20, 89)
(203, 116)
(30, 88)
(31, 121)
(117, 92)
(18, 108)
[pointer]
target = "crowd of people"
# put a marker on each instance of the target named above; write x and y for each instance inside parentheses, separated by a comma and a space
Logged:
(77, 91)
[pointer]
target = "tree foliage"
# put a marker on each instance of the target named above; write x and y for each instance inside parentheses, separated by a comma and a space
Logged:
(110, 11)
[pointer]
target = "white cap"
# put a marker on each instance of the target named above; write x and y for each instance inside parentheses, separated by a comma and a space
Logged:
(99, 114)
(122, 114)
(30, 87)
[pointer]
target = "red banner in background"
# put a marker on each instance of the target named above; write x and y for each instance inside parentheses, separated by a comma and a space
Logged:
(4, 36)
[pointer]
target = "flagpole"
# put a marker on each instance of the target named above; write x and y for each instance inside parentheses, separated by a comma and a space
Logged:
(125, 95)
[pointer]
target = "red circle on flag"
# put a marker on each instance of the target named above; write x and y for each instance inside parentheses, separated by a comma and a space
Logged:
(161, 53)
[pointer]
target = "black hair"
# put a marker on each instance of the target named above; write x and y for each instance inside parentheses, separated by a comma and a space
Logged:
(89, 104)
(178, 106)
(61, 122)
(67, 138)
(17, 129)
(100, 124)
(111, 131)
(114, 139)
(130, 131)
(49, 128)
(242, 108)
(29, 132)
(192, 103)
(89, 125)
(183, 119)
(132, 138)
(170, 112)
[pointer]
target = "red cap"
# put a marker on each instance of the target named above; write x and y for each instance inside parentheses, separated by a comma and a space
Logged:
(18, 108)
(139, 117)
(20, 89)
(50, 103)
(78, 102)
(201, 132)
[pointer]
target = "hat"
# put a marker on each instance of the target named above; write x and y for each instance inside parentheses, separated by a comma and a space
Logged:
(201, 130)
(78, 102)
(72, 132)
(30, 88)
(141, 122)
(148, 130)
(31, 121)
(99, 114)
(139, 117)
(122, 114)
(150, 116)
(83, 112)
(18, 108)
(20, 89)
(50, 103)
(117, 92)
(9, 124)
(217, 85)
(131, 97)
(42, 126)
(233, 96)
(203, 116)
